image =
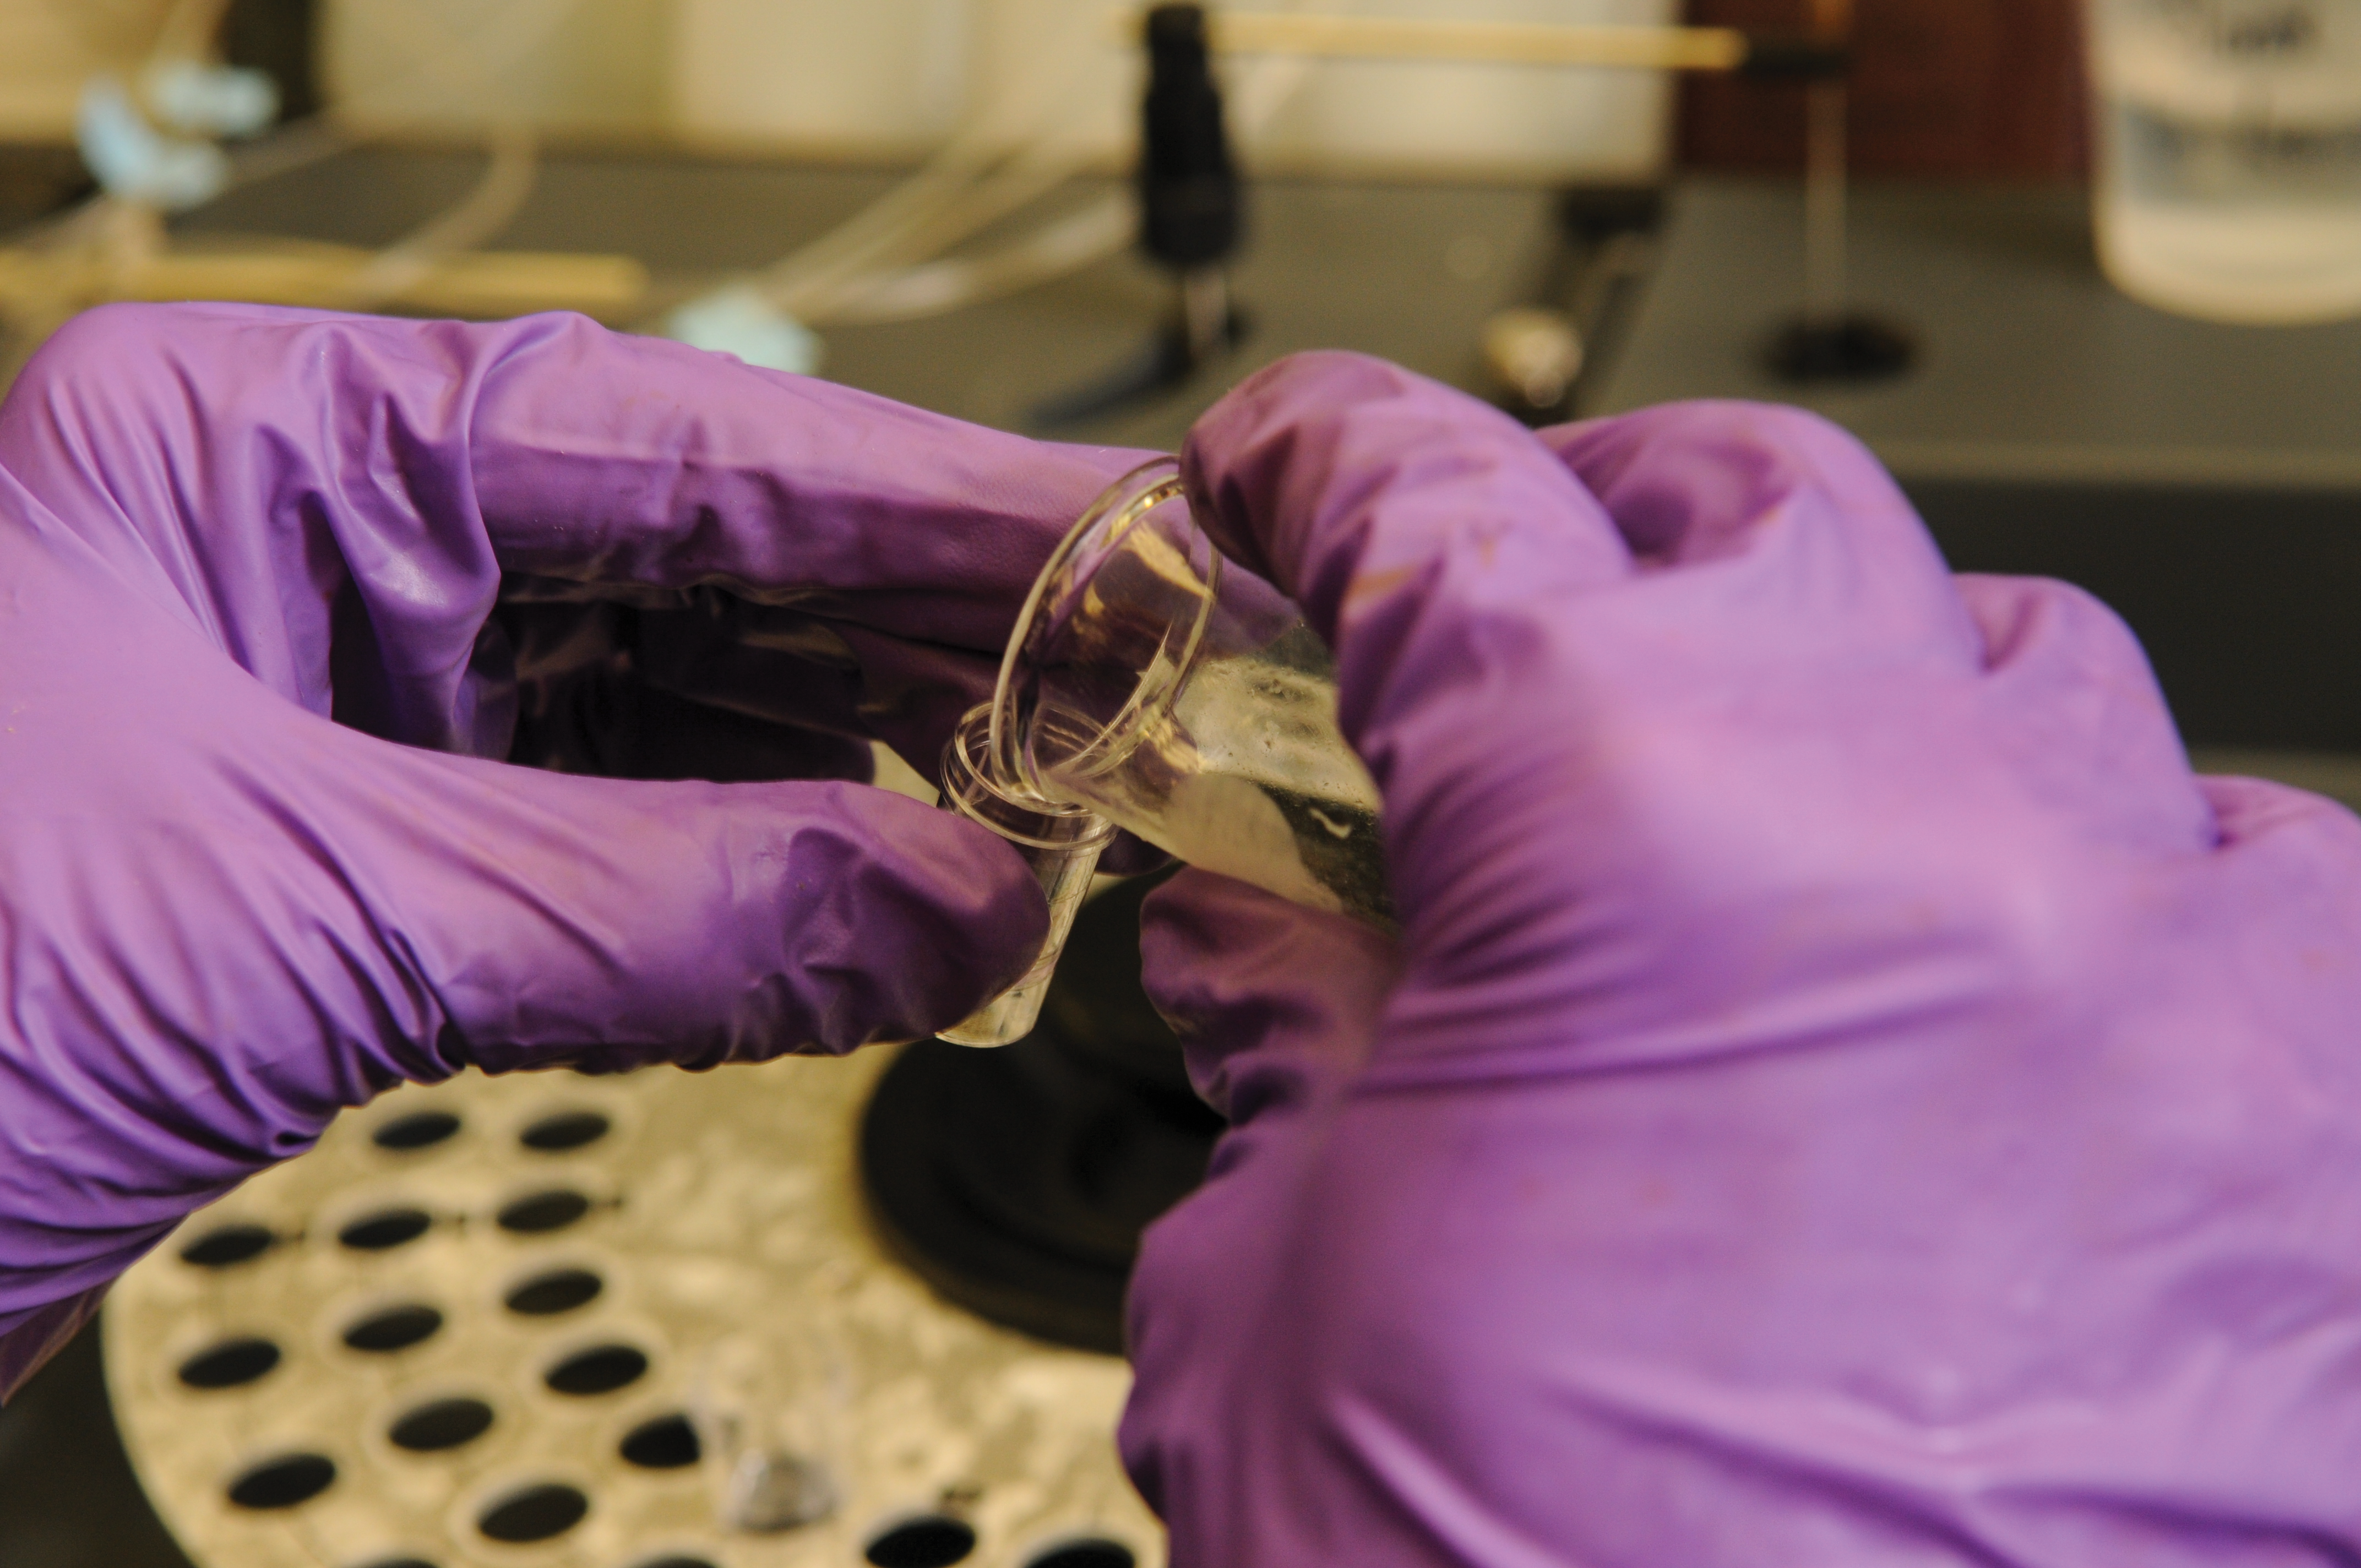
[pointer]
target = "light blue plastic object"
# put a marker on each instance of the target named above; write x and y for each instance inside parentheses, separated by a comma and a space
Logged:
(133, 161)
(738, 320)
(213, 100)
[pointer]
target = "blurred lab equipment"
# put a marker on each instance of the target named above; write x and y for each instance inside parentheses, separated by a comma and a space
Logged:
(1538, 349)
(175, 127)
(1051, 94)
(1190, 215)
(1544, 357)
(1059, 841)
(1188, 190)
(1830, 341)
(1183, 698)
(2227, 184)
(1949, 91)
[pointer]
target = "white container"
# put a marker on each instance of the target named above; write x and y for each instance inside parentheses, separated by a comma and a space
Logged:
(2228, 179)
(882, 78)
(446, 69)
(1424, 119)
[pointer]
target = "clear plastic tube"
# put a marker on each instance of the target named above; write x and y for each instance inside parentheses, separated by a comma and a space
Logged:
(1060, 840)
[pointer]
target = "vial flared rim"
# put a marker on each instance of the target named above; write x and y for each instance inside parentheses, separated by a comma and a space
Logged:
(959, 756)
(1112, 514)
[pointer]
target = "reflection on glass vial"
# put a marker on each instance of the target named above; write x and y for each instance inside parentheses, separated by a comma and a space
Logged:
(1060, 842)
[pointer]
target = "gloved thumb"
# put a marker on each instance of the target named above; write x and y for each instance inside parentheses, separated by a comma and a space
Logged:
(542, 918)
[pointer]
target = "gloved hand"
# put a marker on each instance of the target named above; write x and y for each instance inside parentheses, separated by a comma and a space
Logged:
(224, 916)
(1844, 1093)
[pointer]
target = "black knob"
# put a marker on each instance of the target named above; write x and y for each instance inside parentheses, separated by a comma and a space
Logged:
(1188, 187)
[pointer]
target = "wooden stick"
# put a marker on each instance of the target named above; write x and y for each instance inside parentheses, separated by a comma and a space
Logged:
(1495, 43)
(484, 284)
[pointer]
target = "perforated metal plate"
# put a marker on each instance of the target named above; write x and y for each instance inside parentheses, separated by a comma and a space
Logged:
(466, 1330)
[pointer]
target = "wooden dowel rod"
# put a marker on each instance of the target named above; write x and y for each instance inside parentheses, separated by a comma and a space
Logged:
(476, 283)
(1495, 43)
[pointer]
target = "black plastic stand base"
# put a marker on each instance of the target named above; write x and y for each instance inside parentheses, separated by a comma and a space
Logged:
(1017, 1182)
(1848, 348)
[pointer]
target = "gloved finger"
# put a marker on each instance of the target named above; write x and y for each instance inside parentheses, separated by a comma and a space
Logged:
(1276, 1006)
(834, 678)
(1351, 484)
(611, 923)
(1685, 481)
(333, 500)
(1369, 494)
(1271, 1000)
(683, 467)
(226, 973)
(1691, 484)
(2087, 729)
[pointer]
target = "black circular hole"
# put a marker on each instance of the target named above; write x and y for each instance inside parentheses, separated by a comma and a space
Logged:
(559, 1290)
(384, 1229)
(446, 1423)
(601, 1369)
(930, 1540)
(1093, 1553)
(229, 1363)
(418, 1130)
(668, 1442)
(675, 1563)
(534, 1513)
(284, 1482)
(551, 1210)
(229, 1246)
(396, 1328)
(565, 1130)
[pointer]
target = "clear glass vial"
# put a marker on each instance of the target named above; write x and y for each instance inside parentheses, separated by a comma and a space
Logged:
(1058, 839)
(1181, 697)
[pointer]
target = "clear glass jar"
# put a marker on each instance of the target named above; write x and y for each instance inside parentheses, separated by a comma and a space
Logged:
(2228, 177)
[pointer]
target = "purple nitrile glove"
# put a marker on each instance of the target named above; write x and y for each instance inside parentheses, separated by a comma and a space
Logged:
(1844, 1093)
(224, 916)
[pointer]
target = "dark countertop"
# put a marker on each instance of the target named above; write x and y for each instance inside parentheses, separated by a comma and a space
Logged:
(67, 1498)
(2032, 366)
